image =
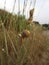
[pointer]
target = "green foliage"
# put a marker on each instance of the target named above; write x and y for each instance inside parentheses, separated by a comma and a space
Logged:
(10, 21)
(21, 23)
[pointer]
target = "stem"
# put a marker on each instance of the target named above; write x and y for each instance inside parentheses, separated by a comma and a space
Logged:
(18, 7)
(14, 6)
(4, 4)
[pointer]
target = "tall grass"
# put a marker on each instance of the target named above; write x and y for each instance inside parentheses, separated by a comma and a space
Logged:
(34, 50)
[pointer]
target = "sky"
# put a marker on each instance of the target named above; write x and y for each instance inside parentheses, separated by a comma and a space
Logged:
(41, 12)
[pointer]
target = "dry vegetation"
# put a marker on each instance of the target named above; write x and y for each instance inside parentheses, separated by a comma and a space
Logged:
(33, 51)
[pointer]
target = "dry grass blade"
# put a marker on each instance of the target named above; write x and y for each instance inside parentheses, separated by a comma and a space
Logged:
(14, 6)
(12, 45)
(4, 33)
(4, 4)
(25, 5)
(18, 7)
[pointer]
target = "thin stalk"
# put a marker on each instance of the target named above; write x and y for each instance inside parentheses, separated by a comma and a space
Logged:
(34, 6)
(18, 7)
(14, 6)
(5, 39)
(3, 28)
(30, 4)
(5, 5)
(12, 12)
(12, 44)
(25, 5)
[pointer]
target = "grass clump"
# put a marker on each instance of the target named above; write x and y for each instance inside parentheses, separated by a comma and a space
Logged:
(34, 50)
